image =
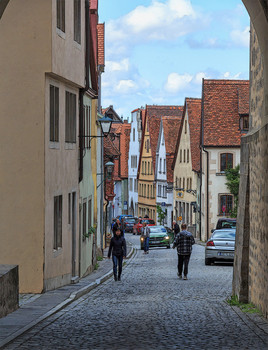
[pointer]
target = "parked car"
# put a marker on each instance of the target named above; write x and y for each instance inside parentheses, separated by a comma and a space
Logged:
(225, 223)
(138, 225)
(129, 223)
(123, 216)
(158, 237)
(220, 246)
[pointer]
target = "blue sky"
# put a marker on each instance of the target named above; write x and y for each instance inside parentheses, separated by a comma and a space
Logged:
(158, 51)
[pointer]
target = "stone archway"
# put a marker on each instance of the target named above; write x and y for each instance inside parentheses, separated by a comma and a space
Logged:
(250, 281)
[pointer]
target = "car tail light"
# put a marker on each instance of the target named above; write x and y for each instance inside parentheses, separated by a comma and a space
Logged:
(210, 244)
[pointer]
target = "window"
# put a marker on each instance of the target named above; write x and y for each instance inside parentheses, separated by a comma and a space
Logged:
(69, 208)
(133, 161)
(244, 122)
(183, 184)
(151, 168)
(86, 127)
(180, 155)
(188, 156)
(148, 168)
(180, 183)
(185, 127)
(131, 184)
(77, 21)
(70, 117)
(159, 190)
(57, 222)
(164, 166)
(184, 156)
(142, 167)
(54, 113)
(89, 213)
(61, 15)
(226, 204)
(135, 185)
(187, 186)
(164, 191)
(226, 161)
(160, 165)
(190, 183)
(145, 168)
(134, 134)
(148, 189)
(84, 219)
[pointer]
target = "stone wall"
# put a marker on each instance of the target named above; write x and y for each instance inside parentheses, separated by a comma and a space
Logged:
(9, 289)
(250, 280)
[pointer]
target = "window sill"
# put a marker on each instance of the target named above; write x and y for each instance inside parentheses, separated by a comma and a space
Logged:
(57, 252)
(77, 45)
(54, 145)
(70, 145)
(61, 33)
(220, 174)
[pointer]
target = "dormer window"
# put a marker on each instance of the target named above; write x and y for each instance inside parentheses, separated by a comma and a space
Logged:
(244, 122)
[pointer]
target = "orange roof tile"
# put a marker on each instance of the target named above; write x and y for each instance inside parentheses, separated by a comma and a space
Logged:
(222, 102)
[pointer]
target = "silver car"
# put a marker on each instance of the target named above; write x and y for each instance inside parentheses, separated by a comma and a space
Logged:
(220, 246)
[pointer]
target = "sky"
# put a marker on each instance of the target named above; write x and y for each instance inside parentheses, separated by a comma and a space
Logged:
(158, 51)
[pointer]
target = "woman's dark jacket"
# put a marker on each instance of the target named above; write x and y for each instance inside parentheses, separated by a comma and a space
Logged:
(118, 246)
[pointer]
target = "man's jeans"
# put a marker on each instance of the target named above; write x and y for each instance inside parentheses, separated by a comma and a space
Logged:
(183, 261)
(146, 244)
(117, 261)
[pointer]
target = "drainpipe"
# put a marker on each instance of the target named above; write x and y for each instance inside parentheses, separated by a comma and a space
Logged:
(83, 90)
(207, 183)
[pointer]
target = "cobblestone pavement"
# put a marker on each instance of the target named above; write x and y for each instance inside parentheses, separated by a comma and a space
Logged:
(152, 309)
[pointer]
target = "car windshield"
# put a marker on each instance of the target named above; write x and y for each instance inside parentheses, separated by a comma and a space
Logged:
(149, 222)
(157, 229)
(227, 224)
(224, 234)
(130, 220)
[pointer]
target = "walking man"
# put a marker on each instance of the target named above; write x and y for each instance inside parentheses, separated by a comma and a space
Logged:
(183, 242)
(118, 249)
(146, 237)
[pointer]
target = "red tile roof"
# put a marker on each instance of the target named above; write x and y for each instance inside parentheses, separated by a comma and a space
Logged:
(171, 126)
(154, 114)
(100, 35)
(222, 102)
(194, 119)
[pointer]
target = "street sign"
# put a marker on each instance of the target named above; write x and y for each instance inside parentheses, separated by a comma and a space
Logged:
(180, 218)
(163, 204)
(125, 205)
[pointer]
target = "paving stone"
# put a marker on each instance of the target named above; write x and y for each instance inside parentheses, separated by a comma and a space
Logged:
(152, 309)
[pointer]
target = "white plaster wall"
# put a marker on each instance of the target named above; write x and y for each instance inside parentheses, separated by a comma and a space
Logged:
(117, 199)
(134, 149)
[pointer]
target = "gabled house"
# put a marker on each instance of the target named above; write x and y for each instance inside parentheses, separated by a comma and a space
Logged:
(224, 104)
(186, 166)
(137, 119)
(168, 134)
(111, 113)
(147, 161)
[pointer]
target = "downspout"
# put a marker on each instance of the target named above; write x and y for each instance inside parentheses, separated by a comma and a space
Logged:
(83, 90)
(207, 183)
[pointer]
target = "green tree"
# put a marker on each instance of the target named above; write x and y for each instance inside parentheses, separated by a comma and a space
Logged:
(233, 179)
(161, 214)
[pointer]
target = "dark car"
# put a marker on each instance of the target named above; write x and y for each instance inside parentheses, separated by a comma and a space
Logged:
(225, 223)
(129, 223)
(220, 246)
(159, 237)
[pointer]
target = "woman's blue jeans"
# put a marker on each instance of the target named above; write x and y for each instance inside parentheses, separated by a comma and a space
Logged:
(117, 262)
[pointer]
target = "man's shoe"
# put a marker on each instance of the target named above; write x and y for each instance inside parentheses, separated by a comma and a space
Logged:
(185, 278)
(115, 278)
(119, 278)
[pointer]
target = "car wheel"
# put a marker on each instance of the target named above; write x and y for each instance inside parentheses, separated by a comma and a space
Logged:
(208, 261)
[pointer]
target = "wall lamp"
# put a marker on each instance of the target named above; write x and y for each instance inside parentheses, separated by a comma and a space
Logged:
(105, 124)
(109, 166)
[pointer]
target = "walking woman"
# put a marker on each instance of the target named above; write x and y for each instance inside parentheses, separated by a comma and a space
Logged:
(118, 249)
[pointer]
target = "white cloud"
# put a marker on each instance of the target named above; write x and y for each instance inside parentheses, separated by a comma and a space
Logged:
(122, 65)
(125, 86)
(227, 75)
(240, 37)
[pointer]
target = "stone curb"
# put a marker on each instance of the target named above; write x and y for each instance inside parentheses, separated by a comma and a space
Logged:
(74, 296)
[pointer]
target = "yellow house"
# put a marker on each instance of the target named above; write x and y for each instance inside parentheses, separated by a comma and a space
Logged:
(42, 74)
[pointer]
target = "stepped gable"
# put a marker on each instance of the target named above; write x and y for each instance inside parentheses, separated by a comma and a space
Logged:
(222, 103)
(154, 114)
(100, 36)
(171, 127)
(124, 148)
(194, 119)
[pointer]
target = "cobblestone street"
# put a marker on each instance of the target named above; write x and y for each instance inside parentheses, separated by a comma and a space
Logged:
(151, 309)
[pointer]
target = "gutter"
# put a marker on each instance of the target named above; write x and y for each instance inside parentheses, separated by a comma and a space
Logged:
(83, 90)
(207, 183)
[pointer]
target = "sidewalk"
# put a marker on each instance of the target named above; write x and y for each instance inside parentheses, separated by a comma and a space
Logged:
(35, 308)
